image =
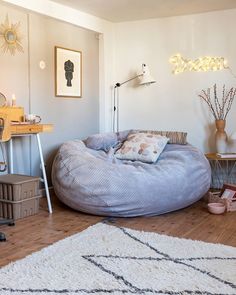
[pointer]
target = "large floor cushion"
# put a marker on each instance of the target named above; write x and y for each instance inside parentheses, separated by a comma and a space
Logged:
(94, 181)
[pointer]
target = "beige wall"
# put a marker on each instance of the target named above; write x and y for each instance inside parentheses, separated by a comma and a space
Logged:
(172, 103)
(34, 87)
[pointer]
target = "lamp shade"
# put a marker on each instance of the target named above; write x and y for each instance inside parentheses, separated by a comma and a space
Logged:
(146, 78)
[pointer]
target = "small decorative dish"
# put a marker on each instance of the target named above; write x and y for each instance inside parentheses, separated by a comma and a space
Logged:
(216, 208)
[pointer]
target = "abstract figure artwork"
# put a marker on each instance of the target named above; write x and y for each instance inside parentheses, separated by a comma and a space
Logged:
(68, 76)
(69, 69)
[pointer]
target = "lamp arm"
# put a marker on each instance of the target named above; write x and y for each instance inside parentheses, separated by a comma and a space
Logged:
(119, 84)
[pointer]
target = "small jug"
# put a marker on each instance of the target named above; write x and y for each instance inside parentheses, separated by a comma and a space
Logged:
(32, 118)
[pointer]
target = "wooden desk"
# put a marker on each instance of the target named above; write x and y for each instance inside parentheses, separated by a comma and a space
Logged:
(223, 170)
(18, 130)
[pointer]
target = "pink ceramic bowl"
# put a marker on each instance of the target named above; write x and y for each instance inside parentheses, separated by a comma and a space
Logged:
(216, 208)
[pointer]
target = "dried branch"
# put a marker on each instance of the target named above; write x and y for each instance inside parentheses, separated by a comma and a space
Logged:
(217, 104)
(230, 101)
(219, 109)
(206, 98)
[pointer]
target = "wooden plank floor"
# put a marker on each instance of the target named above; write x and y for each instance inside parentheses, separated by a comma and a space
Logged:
(36, 232)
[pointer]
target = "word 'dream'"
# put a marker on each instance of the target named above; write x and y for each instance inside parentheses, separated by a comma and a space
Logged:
(202, 64)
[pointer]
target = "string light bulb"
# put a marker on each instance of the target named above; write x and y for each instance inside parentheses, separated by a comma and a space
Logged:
(203, 63)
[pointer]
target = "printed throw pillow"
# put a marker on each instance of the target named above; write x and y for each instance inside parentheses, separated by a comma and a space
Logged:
(145, 147)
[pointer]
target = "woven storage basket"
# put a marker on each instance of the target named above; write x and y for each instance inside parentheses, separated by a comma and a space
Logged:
(19, 196)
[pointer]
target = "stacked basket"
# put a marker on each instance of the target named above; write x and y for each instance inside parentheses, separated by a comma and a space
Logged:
(19, 196)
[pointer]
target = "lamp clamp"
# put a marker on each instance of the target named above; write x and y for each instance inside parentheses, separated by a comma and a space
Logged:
(117, 85)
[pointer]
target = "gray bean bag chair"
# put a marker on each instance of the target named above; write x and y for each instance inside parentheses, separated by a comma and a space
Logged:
(92, 180)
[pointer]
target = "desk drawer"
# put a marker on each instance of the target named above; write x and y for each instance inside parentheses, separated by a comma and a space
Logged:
(24, 129)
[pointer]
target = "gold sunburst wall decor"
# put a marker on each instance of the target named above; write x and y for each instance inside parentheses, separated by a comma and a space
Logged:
(10, 37)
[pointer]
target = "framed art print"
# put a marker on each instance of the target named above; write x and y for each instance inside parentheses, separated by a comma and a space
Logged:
(68, 72)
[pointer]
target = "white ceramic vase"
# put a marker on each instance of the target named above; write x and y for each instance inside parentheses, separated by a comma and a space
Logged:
(220, 137)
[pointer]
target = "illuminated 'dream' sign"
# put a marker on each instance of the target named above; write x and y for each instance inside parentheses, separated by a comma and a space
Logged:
(205, 63)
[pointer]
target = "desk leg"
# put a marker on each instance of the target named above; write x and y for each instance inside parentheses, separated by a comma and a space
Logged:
(11, 167)
(44, 174)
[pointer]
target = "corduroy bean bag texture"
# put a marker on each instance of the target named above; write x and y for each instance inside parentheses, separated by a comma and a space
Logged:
(95, 181)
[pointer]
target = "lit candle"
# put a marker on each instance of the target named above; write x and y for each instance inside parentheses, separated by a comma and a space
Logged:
(13, 100)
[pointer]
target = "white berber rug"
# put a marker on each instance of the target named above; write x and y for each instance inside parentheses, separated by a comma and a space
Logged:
(106, 259)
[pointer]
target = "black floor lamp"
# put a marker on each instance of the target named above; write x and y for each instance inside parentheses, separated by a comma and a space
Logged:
(145, 79)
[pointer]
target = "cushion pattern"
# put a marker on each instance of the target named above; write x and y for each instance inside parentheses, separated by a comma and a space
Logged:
(145, 147)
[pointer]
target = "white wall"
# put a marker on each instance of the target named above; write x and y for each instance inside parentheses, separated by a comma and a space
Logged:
(34, 88)
(72, 117)
(172, 103)
(106, 46)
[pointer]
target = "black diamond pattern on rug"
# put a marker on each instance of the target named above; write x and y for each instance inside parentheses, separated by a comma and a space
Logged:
(141, 265)
(137, 275)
